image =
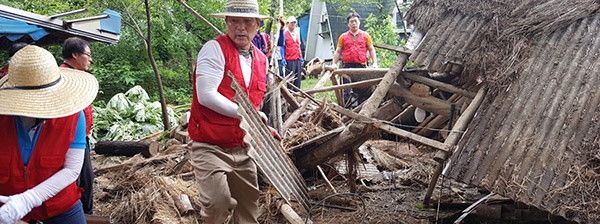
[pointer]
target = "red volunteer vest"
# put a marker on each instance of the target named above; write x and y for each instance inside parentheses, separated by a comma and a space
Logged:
(87, 112)
(355, 51)
(47, 158)
(292, 47)
(213, 128)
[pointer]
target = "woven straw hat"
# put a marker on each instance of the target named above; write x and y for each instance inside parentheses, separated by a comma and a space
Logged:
(240, 8)
(36, 87)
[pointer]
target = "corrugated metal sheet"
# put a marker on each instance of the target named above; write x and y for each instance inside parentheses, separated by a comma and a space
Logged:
(447, 43)
(268, 153)
(529, 142)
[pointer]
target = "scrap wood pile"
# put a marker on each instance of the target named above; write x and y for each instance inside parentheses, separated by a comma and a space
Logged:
(160, 189)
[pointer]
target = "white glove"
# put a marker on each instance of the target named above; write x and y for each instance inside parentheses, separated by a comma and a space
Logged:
(264, 117)
(17, 206)
(375, 65)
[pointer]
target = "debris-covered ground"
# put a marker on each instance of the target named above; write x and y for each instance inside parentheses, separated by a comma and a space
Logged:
(147, 190)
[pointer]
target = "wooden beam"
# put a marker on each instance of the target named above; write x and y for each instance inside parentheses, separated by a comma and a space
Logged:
(429, 103)
(360, 71)
(391, 129)
(393, 48)
(440, 85)
(462, 123)
(289, 98)
(363, 83)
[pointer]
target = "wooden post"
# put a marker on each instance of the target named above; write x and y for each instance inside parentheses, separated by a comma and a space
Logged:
(453, 138)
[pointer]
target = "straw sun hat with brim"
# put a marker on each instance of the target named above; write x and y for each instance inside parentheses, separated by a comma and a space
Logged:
(36, 87)
(240, 8)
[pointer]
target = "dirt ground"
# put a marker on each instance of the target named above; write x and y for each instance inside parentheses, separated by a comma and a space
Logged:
(141, 190)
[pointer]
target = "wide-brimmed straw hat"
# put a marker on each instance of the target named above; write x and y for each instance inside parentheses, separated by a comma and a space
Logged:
(240, 8)
(36, 87)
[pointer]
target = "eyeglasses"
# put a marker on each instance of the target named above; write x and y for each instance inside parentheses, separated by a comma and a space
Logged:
(88, 54)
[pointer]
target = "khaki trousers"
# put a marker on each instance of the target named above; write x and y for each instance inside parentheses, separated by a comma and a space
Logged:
(227, 182)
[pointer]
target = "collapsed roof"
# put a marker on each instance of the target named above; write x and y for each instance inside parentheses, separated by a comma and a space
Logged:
(535, 139)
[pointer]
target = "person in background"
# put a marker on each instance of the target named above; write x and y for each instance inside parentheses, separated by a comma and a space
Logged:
(290, 39)
(225, 173)
(43, 138)
(11, 51)
(353, 46)
(77, 55)
(262, 42)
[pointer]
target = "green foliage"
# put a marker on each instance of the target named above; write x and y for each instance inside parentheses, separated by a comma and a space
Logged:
(310, 83)
(129, 116)
(382, 31)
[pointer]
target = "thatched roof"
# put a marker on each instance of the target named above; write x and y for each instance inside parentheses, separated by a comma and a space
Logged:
(504, 29)
(536, 139)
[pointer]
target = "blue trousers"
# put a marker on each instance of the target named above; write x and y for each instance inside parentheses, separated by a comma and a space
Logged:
(294, 68)
(72, 216)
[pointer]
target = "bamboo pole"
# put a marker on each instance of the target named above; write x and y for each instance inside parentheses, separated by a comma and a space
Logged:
(453, 138)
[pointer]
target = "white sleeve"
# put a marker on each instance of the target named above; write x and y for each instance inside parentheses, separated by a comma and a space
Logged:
(209, 73)
(64, 177)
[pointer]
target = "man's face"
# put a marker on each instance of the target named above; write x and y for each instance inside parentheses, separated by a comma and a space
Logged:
(82, 61)
(354, 24)
(291, 26)
(241, 30)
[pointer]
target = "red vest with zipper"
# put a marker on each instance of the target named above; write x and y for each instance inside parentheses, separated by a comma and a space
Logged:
(292, 47)
(47, 158)
(87, 112)
(355, 51)
(210, 127)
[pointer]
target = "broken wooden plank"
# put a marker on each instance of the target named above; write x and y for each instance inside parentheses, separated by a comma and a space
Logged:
(97, 219)
(289, 98)
(183, 204)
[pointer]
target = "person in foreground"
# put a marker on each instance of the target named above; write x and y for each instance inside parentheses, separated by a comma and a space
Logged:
(225, 173)
(43, 138)
(77, 55)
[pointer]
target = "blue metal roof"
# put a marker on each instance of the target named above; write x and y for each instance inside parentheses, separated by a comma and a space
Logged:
(15, 29)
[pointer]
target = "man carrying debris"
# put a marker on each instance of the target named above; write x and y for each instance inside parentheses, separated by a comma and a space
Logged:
(226, 175)
(353, 47)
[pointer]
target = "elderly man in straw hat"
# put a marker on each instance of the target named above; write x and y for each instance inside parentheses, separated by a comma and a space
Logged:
(43, 138)
(225, 174)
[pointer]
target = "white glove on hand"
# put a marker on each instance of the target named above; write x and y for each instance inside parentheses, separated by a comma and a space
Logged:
(17, 206)
(264, 117)
(375, 65)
